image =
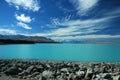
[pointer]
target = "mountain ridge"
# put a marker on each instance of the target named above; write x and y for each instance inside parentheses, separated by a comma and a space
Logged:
(19, 39)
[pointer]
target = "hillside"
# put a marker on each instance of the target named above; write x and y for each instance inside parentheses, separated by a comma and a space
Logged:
(20, 39)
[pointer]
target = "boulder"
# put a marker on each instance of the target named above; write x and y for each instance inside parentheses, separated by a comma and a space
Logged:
(108, 76)
(12, 71)
(29, 69)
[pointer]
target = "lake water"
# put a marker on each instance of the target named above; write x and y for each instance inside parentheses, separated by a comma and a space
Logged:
(67, 52)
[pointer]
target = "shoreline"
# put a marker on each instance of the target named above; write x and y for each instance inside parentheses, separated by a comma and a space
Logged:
(22, 69)
(50, 60)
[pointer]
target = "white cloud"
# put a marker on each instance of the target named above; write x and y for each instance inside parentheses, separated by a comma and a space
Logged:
(82, 6)
(68, 38)
(84, 22)
(23, 25)
(64, 31)
(17, 7)
(7, 31)
(56, 21)
(81, 23)
(115, 12)
(77, 37)
(87, 4)
(77, 27)
(23, 18)
(26, 4)
(67, 29)
(71, 30)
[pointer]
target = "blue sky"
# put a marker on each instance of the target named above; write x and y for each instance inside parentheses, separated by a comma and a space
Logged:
(61, 20)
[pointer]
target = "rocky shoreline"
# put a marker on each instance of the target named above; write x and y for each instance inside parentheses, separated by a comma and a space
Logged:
(16, 69)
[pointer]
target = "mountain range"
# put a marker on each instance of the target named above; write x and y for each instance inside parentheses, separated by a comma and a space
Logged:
(19, 39)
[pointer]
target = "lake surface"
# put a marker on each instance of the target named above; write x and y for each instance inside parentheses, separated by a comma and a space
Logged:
(67, 52)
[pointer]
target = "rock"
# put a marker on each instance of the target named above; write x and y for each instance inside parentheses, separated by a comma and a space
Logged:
(35, 78)
(23, 73)
(64, 70)
(29, 69)
(117, 77)
(29, 76)
(97, 70)
(43, 70)
(42, 78)
(35, 74)
(89, 74)
(108, 76)
(3, 69)
(96, 77)
(47, 74)
(80, 73)
(39, 69)
(12, 71)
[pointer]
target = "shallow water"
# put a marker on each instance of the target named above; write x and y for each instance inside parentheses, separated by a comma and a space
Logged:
(67, 52)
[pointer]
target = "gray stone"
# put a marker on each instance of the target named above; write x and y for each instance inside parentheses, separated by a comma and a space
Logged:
(12, 71)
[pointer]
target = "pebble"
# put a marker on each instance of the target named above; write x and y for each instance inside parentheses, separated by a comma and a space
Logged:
(39, 70)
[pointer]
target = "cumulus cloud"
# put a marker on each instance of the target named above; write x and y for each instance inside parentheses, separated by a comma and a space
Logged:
(23, 18)
(7, 31)
(82, 6)
(23, 21)
(23, 25)
(25, 4)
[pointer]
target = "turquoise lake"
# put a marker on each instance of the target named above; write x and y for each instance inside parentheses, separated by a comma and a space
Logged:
(67, 52)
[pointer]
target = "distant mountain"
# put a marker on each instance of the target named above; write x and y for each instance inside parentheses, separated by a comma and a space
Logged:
(18, 39)
(96, 41)
(21, 39)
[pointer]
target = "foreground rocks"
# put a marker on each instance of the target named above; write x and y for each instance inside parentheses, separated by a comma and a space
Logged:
(52, 70)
